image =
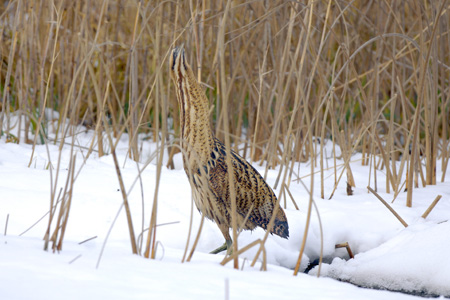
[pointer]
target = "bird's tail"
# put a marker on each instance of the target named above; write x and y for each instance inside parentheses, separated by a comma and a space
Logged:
(281, 226)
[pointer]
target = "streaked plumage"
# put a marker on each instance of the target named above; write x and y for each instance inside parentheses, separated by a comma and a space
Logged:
(205, 163)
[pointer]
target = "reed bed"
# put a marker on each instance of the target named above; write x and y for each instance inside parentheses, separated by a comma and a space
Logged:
(281, 77)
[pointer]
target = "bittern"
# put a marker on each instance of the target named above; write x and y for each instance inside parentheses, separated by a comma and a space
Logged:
(205, 163)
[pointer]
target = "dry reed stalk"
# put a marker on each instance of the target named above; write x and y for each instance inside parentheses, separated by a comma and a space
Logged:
(241, 226)
(311, 190)
(61, 225)
(58, 13)
(221, 54)
(286, 157)
(346, 154)
(432, 205)
(190, 228)
(422, 101)
(431, 106)
(6, 225)
(5, 103)
(385, 159)
(292, 197)
(268, 229)
(271, 152)
(65, 197)
(322, 142)
(200, 227)
(233, 256)
(266, 17)
(321, 239)
(122, 187)
(100, 110)
(253, 154)
(134, 92)
(64, 200)
(152, 235)
(445, 119)
(204, 182)
(388, 206)
(346, 246)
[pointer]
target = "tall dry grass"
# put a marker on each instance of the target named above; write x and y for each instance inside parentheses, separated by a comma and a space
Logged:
(371, 76)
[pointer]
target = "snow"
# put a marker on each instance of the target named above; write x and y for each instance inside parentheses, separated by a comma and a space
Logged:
(388, 256)
(413, 261)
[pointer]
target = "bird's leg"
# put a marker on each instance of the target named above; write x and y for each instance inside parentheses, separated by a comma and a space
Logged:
(225, 246)
(228, 242)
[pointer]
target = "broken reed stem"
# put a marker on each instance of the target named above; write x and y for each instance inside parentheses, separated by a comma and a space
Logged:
(6, 224)
(347, 246)
(388, 207)
(75, 258)
(432, 205)
(231, 257)
(292, 197)
(87, 240)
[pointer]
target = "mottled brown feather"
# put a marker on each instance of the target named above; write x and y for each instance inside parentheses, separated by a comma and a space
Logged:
(205, 163)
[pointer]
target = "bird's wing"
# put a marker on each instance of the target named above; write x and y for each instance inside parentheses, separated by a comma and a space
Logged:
(252, 192)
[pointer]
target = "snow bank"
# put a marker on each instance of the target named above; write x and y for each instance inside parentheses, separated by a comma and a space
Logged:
(415, 261)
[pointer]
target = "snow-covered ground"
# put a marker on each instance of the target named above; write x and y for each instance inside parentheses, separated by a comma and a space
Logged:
(414, 259)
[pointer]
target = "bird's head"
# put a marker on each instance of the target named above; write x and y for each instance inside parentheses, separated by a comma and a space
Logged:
(178, 64)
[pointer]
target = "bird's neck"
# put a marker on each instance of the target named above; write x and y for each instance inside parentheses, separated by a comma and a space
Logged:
(196, 133)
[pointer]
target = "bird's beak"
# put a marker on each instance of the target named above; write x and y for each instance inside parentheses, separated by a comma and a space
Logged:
(177, 51)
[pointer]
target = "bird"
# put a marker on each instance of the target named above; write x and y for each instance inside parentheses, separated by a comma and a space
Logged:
(205, 163)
